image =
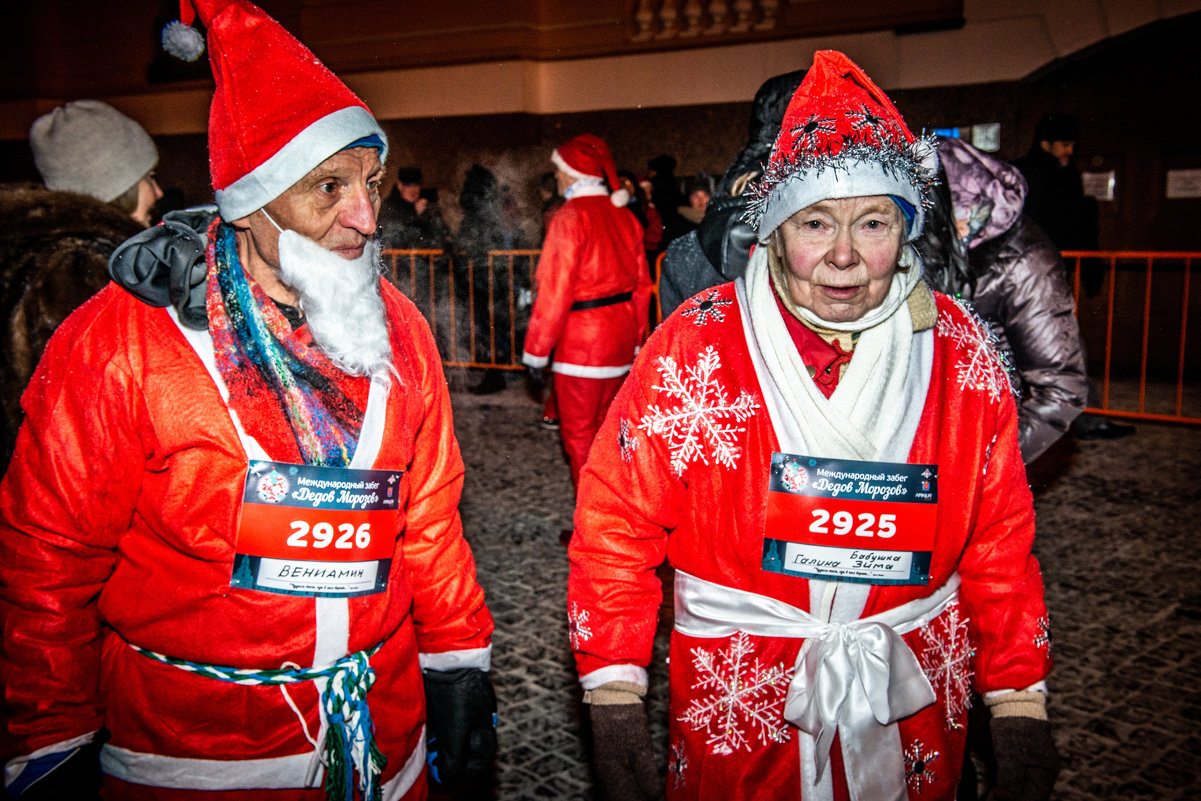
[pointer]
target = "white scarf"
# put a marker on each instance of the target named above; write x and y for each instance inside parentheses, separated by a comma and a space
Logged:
(872, 414)
(874, 411)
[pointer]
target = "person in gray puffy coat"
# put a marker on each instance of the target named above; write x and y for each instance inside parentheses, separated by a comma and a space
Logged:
(990, 253)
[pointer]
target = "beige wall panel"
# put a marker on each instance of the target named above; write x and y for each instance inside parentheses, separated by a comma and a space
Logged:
(997, 50)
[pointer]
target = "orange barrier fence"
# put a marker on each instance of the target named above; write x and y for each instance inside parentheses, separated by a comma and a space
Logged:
(477, 312)
(1134, 309)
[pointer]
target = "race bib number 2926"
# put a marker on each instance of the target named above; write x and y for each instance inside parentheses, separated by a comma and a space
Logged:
(316, 531)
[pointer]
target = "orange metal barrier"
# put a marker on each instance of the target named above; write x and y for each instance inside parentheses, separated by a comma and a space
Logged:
(1134, 308)
(459, 299)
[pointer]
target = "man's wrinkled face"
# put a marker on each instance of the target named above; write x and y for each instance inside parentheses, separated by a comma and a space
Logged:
(839, 255)
(334, 205)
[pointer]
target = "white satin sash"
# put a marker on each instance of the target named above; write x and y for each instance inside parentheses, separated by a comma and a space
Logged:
(856, 678)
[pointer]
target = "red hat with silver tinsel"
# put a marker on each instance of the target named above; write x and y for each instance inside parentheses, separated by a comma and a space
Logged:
(842, 137)
(587, 156)
(277, 111)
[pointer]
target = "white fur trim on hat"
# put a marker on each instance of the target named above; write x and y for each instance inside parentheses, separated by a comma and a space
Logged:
(862, 179)
(619, 198)
(293, 161)
(558, 161)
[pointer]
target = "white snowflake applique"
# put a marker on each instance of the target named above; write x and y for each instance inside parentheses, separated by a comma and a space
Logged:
(694, 427)
(677, 765)
(1043, 638)
(982, 368)
(707, 307)
(627, 441)
(917, 766)
(741, 695)
(947, 662)
(577, 626)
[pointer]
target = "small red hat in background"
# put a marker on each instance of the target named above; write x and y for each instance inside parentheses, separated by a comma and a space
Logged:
(587, 156)
(842, 137)
(277, 111)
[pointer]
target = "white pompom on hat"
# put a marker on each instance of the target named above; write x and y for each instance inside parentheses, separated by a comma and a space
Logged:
(277, 111)
(587, 156)
(91, 148)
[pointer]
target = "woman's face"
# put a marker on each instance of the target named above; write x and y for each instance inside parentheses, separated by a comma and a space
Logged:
(839, 255)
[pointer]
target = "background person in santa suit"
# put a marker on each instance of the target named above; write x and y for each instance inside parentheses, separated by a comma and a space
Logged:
(827, 452)
(229, 535)
(592, 294)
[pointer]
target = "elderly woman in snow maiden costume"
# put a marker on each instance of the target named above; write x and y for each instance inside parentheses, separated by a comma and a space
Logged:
(826, 452)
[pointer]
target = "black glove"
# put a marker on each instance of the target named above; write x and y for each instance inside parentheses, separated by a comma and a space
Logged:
(536, 379)
(164, 265)
(460, 727)
(1027, 762)
(76, 777)
(622, 757)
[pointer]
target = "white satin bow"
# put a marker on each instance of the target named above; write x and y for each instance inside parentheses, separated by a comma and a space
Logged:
(858, 678)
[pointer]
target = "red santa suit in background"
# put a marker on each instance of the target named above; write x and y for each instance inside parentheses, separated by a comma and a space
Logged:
(785, 684)
(593, 294)
(155, 585)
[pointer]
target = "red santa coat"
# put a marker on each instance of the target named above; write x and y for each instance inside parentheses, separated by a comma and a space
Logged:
(593, 250)
(728, 735)
(117, 522)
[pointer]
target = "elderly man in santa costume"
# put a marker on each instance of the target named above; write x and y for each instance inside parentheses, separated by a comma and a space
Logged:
(826, 451)
(593, 293)
(231, 559)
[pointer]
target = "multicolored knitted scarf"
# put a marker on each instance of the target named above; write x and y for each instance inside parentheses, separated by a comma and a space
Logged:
(259, 358)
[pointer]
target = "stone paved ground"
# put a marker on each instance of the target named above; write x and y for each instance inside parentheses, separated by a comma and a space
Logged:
(1118, 544)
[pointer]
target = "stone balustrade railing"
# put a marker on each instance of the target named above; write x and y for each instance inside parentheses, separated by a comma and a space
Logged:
(665, 20)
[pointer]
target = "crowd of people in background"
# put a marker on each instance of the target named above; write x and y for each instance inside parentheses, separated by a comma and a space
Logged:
(695, 222)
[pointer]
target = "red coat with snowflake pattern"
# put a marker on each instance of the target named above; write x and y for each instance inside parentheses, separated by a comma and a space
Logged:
(117, 525)
(701, 504)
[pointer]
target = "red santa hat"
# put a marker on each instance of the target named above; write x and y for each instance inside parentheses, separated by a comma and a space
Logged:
(587, 156)
(277, 111)
(842, 137)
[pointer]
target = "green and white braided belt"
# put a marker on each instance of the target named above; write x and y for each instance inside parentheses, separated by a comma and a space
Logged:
(350, 739)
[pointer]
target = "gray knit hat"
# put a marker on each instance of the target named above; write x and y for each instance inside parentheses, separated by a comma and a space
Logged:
(91, 148)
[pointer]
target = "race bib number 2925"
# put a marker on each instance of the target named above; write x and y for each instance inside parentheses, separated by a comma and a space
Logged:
(847, 520)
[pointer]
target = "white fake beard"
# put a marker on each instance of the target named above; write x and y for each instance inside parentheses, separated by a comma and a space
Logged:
(341, 302)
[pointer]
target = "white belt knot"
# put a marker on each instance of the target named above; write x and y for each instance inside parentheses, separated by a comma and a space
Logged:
(858, 677)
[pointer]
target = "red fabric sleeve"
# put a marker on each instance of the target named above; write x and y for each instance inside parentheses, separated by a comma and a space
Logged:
(68, 493)
(1002, 585)
(623, 515)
